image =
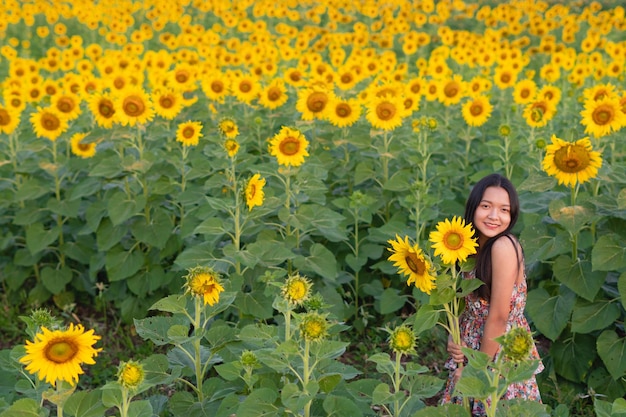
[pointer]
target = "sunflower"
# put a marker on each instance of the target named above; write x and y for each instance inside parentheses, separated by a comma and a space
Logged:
(599, 92)
(504, 77)
(254, 191)
(189, 133)
(453, 240)
(402, 340)
(386, 112)
(204, 283)
(48, 123)
(228, 127)
(571, 162)
(296, 290)
(477, 111)
(84, 150)
(602, 117)
(451, 90)
(524, 91)
(231, 146)
(312, 102)
(68, 104)
(289, 147)
(410, 261)
(102, 107)
(294, 77)
(215, 85)
(9, 120)
(314, 327)
(342, 113)
(245, 88)
(134, 106)
(550, 93)
(517, 344)
(539, 113)
(57, 355)
(167, 103)
(273, 95)
(130, 374)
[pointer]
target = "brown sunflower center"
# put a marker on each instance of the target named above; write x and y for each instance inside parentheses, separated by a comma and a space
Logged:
(84, 146)
(50, 122)
(343, 110)
(505, 78)
(105, 108)
(603, 115)
(415, 263)
(572, 158)
(5, 117)
(182, 77)
(476, 109)
(66, 105)
(217, 86)
(189, 132)
(385, 110)
(316, 102)
(119, 83)
(346, 78)
(453, 240)
(525, 93)
(167, 102)
(245, 87)
(538, 110)
(289, 146)
(134, 106)
(60, 351)
(295, 76)
(274, 94)
(451, 90)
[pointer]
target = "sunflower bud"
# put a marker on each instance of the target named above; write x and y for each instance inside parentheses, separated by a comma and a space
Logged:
(313, 327)
(248, 359)
(130, 374)
(203, 282)
(517, 344)
(402, 340)
(296, 290)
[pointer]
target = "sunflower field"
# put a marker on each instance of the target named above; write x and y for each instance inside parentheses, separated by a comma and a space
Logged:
(258, 192)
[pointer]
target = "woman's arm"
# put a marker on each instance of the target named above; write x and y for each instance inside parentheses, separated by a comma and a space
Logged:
(506, 266)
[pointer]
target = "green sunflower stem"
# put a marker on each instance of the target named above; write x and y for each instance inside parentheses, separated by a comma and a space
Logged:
(397, 379)
(288, 324)
(60, 394)
(197, 347)
(306, 374)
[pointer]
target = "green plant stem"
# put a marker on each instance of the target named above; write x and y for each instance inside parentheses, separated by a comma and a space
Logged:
(356, 255)
(306, 375)
(288, 324)
(574, 236)
(60, 404)
(196, 345)
(397, 379)
(125, 403)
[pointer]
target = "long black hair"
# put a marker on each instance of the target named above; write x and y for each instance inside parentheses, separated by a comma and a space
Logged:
(483, 258)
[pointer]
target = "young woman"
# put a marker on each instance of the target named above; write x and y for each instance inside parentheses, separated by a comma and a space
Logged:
(497, 306)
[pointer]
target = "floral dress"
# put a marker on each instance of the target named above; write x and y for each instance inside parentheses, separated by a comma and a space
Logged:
(472, 323)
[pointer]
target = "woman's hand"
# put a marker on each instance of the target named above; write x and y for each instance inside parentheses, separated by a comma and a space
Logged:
(455, 351)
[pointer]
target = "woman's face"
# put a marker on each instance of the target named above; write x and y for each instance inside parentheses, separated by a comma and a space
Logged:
(493, 214)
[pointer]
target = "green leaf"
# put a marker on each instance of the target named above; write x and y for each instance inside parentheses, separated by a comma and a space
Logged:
(612, 351)
(578, 276)
(337, 406)
(381, 394)
(85, 404)
(55, 279)
(255, 304)
(537, 182)
(171, 304)
(24, 407)
(109, 235)
(574, 356)
(391, 301)
(609, 253)
(550, 313)
(213, 226)
(38, 239)
(621, 286)
(64, 208)
(31, 189)
(320, 260)
(122, 207)
(400, 181)
(329, 382)
(572, 218)
(155, 328)
(260, 403)
(157, 232)
(140, 408)
(588, 317)
(122, 264)
(425, 318)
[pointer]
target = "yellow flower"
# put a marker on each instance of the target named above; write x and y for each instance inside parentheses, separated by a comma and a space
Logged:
(57, 355)
(167, 103)
(245, 88)
(231, 146)
(571, 162)
(254, 191)
(296, 289)
(228, 128)
(134, 106)
(313, 327)
(68, 104)
(274, 95)
(411, 262)
(84, 150)
(189, 133)
(539, 113)
(289, 147)
(130, 374)
(312, 102)
(9, 120)
(48, 123)
(453, 241)
(386, 112)
(342, 113)
(402, 340)
(603, 116)
(103, 109)
(203, 282)
(451, 90)
(524, 91)
(477, 111)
